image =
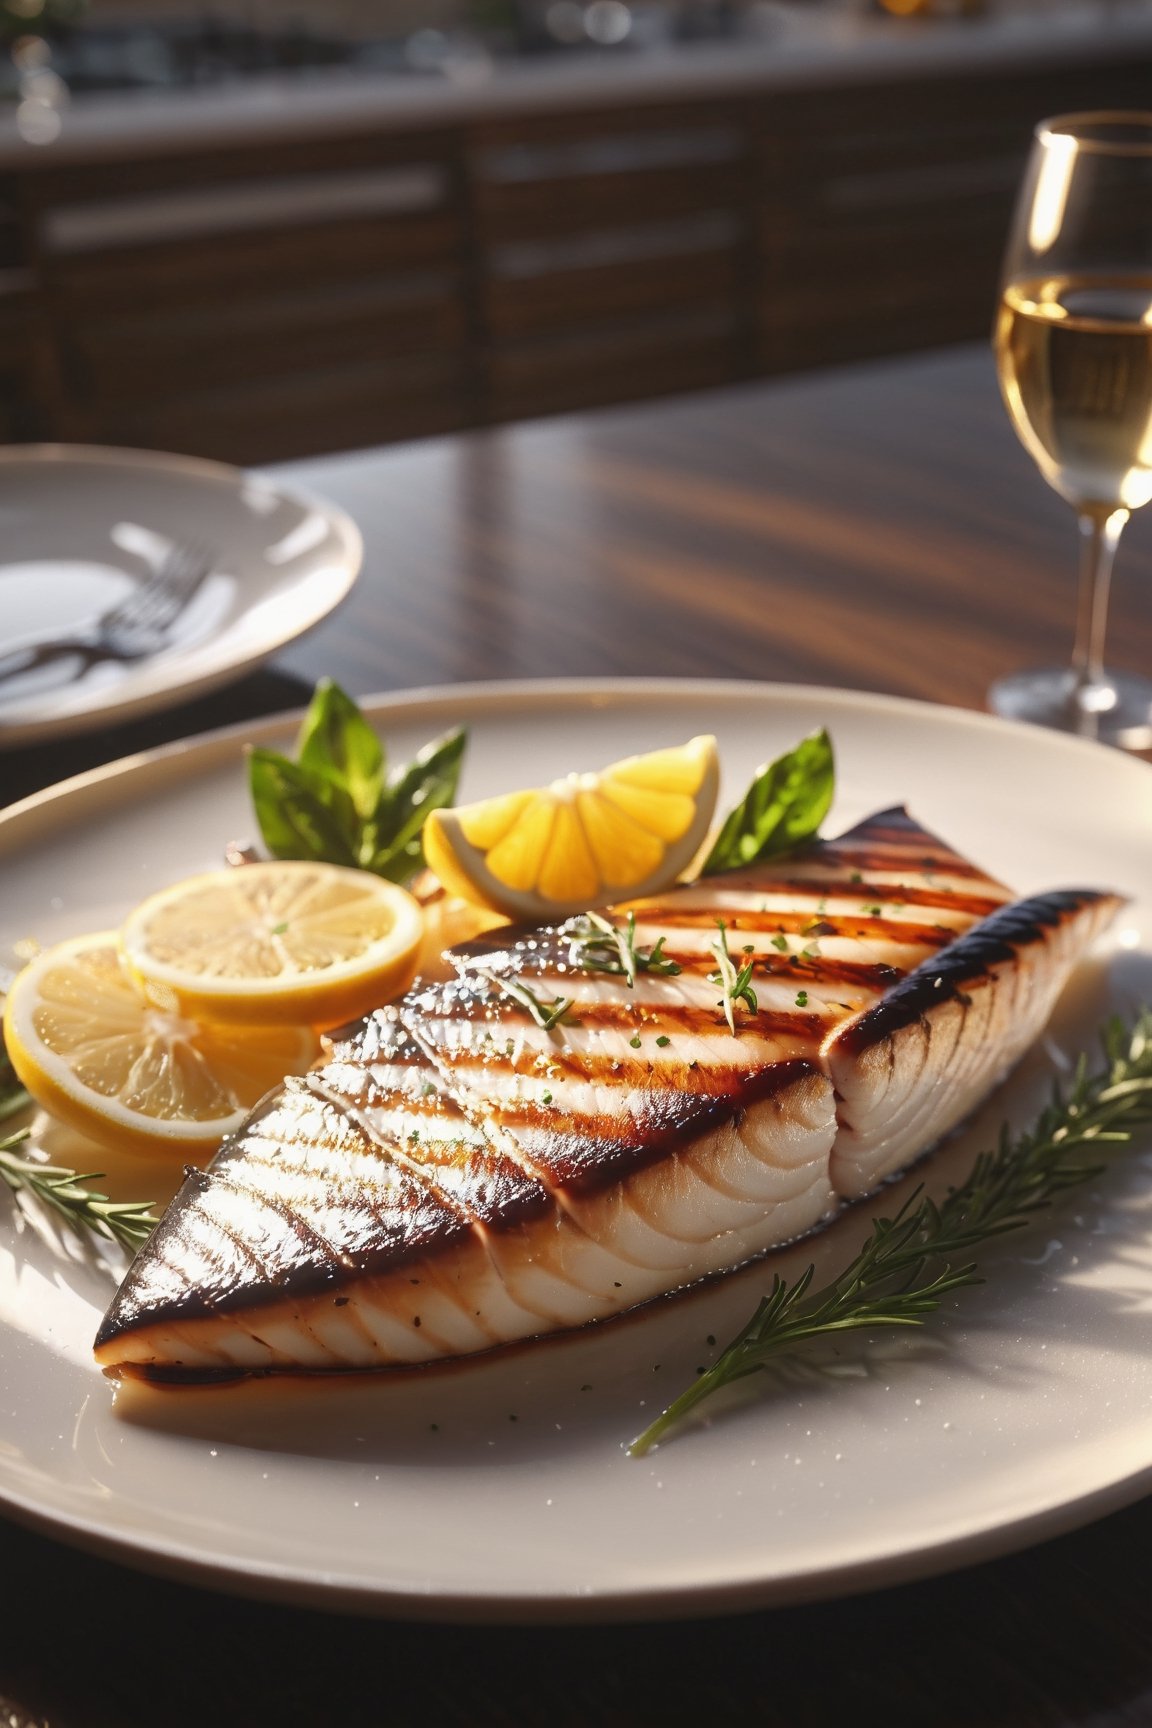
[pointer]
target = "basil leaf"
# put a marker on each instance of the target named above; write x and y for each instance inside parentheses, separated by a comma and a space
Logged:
(339, 745)
(333, 804)
(784, 806)
(427, 783)
(293, 809)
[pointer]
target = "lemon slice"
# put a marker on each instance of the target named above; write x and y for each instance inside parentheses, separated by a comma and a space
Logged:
(309, 944)
(583, 841)
(96, 1053)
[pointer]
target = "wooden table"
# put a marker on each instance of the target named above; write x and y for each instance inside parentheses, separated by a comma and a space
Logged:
(875, 527)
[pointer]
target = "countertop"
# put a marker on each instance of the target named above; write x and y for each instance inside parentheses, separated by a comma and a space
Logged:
(794, 46)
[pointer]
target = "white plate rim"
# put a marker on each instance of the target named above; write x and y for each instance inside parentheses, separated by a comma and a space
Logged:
(506, 695)
(119, 705)
(34, 815)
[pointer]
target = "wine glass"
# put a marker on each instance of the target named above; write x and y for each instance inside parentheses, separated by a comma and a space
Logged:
(1073, 343)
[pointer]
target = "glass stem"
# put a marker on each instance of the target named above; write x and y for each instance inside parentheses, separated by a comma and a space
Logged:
(1100, 530)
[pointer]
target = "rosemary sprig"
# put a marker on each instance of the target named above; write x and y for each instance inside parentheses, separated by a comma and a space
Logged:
(129, 1222)
(736, 982)
(13, 1097)
(598, 945)
(545, 1014)
(909, 1263)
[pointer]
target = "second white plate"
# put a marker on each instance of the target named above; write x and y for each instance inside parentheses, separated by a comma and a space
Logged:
(500, 1488)
(84, 530)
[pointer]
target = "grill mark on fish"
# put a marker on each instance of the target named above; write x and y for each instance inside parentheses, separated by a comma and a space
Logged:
(352, 1076)
(240, 1246)
(782, 921)
(676, 1018)
(993, 942)
(490, 1191)
(592, 1155)
(821, 969)
(305, 1261)
(498, 1226)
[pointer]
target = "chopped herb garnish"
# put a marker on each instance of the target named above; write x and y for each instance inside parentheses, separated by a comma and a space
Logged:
(735, 983)
(780, 942)
(634, 1041)
(599, 945)
(546, 1014)
(663, 1040)
(801, 998)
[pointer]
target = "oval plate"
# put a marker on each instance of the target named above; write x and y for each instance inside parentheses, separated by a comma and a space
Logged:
(500, 1488)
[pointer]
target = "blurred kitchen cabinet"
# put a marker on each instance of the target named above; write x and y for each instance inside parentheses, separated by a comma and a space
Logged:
(263, 301)
(27, 345)
(613, 254)
(883, 213)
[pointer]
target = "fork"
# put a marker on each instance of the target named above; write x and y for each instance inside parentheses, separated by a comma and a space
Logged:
(135, 627)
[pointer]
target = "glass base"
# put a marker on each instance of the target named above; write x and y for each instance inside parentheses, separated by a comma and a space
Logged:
(1118, 711)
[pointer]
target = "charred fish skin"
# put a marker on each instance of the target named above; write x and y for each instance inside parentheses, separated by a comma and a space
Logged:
(912, 1067)
(456, 1175)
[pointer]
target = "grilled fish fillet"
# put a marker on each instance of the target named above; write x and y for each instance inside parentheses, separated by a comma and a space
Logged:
(456, 1175)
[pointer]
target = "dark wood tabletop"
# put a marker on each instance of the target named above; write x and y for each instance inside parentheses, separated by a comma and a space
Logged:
(874, 527)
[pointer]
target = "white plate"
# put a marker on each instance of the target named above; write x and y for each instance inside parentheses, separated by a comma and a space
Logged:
(81, 529)
(1022, 1411)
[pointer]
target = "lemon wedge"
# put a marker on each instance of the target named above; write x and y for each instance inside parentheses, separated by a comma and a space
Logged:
(275, 943)
(585, 840)
(96, 1053)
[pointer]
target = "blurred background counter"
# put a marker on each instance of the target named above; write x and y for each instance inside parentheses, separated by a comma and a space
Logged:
(232, 234)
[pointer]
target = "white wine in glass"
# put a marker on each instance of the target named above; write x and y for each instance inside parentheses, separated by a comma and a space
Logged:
(1073, 344)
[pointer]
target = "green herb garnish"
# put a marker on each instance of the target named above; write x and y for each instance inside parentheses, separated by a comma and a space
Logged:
(13, 1097)
(598, 945)
(736, 983)
(907, 1264)
(129, 1222)
(337, 804)
(545, 1014)
(784, 806)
